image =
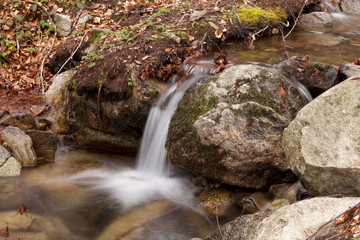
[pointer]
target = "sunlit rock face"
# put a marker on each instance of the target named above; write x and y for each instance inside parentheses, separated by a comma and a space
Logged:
(322, 143)
(229, 127)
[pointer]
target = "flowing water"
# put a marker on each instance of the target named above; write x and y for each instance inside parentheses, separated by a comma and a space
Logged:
(97, 195)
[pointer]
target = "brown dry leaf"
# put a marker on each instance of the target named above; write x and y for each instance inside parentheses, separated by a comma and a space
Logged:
(218, 33)
(5, 232)
(282, 92)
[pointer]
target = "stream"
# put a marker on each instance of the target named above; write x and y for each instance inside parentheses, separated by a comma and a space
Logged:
(89, 195)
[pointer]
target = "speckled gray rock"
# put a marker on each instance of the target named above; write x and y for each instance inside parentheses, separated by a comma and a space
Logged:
(296, 222)
(63, 24)
(350, 6)
(322, 143)
(9, 166)
(229, 128)
(21, 146)
(315, 20)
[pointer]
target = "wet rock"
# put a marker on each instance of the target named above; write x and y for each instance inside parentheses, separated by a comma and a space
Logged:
(9, 166)
(349, 70)
(112, 124)
(297, 221)
(21, 146)
(216, 202)
(315, 20)
(254, 202)
(350, 6)
(317, 77)
(58, 96)
(63, 24)
(229, 128)
(278, 203)
(321, 144)
(23, 120)
(122, 227)
(44, 144)
(34, 226)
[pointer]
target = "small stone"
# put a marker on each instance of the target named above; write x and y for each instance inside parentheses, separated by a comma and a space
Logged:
(316, 20)
(21, 146)
(63, 24)
(195, 15)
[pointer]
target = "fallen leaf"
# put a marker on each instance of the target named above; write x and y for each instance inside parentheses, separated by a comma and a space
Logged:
(282, 92)
(5, 232)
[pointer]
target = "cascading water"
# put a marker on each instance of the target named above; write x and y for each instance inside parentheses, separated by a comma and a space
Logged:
(150, 179)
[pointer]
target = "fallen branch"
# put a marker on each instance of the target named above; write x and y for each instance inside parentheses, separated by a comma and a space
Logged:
(332, 219)
(253, 37)
(182, 18)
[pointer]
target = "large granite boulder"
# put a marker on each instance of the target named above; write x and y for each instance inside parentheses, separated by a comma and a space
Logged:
(21, 146)
(229, 127)
(296, 222)
(322, 143)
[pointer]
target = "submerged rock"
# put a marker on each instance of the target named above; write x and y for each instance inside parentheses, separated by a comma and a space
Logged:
(216, 202)
(322, 143)
(296, 222)
(229, 128)
(21, 146)
(34, 226)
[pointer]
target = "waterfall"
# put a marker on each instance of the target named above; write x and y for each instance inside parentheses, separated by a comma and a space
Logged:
(150, 179)
(151, 160)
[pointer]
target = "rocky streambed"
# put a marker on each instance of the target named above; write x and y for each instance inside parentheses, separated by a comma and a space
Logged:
(246, 134)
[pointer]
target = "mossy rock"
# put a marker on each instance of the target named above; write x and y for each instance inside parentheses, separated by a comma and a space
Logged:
(229, 127)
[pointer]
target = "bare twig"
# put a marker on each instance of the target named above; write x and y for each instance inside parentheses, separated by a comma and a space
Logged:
(253, 36)
(182, 18)
(71, 56)
(76, 21)
(332, 219)
(296, 20)
(51, 47)
(217, 222)
(17, 45)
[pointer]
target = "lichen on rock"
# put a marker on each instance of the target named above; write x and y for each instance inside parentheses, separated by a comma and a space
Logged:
(229, 127)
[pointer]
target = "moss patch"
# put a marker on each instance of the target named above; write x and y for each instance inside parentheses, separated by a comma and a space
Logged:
(183, 143)
(257, 17)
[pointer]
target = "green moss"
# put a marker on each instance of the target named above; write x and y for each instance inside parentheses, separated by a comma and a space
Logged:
(183, 144)
(258, 17)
